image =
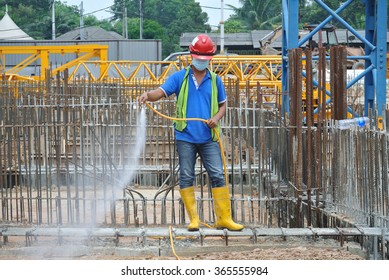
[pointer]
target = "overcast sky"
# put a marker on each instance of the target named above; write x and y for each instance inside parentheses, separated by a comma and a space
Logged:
(212, 8)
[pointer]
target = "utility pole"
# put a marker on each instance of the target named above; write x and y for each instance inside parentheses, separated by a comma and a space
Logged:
(82, 37)
(125, 23)
(53, 20)
(222, 28)
(140, 20)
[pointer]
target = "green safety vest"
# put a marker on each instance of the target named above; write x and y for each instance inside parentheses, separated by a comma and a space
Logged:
(182, 102)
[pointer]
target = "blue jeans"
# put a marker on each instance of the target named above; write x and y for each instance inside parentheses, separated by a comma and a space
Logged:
(211, 157)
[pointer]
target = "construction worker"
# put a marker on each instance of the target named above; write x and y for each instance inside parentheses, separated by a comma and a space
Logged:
(200, 94)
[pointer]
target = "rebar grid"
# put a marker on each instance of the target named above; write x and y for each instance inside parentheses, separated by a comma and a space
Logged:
(65, 150)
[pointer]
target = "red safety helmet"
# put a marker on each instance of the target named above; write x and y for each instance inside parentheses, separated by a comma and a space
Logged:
(202, 47)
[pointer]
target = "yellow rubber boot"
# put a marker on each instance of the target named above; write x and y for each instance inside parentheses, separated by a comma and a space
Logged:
(188, 197)
(221, 200)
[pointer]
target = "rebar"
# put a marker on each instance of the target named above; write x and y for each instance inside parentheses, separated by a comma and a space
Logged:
(66, 156)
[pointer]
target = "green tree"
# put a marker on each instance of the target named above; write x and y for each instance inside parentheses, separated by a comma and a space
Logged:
(168, 19)
(151, 29)
(354, 14)
(67, 18)
(266, 14)
(29, 15)
(260, 14)
(173, 16)
(234, 26)
(34, 17)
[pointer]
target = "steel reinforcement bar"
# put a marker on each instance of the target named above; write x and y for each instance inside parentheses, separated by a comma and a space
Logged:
(379, 236)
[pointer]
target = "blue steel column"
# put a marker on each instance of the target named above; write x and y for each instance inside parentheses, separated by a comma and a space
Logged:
(369, 34)
(376, 33)
(382, 40)
(289, 41)
(375, 41)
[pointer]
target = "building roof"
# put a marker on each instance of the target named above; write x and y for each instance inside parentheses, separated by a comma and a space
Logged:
(251, 39)
(232, 39)
(10, 31)
(91, 33)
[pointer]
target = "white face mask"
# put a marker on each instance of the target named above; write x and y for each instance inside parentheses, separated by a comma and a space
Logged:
(200, 64)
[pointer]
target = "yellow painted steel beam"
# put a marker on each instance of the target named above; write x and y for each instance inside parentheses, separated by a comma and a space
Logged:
(74, 62)
(42, 53)
(52, 49)
(250, 70)
(266, 69)
(27, 61)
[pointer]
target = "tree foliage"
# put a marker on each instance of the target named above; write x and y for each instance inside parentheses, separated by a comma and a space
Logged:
(261, 14)
(354, 14)
(267, 14)
(234, 26)
(168, 19)
(162, 19)
(35, 17)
